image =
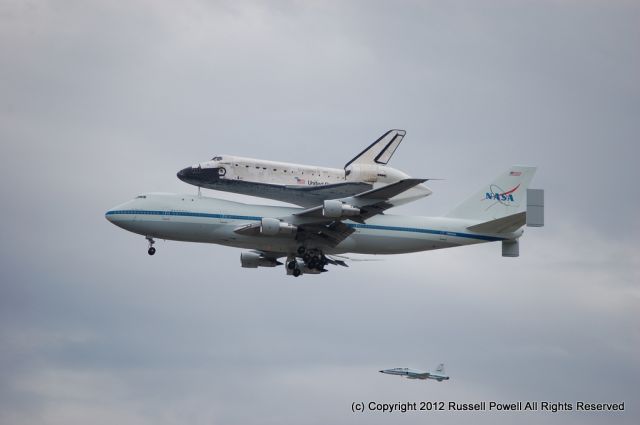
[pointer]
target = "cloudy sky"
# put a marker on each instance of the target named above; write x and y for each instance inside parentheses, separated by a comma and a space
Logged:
(101, 100)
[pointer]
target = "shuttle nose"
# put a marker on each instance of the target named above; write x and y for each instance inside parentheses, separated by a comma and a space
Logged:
(184, 173)
(200, 176)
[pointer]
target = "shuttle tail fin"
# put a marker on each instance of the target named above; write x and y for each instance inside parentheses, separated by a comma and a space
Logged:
(380, 151)
(505, 196)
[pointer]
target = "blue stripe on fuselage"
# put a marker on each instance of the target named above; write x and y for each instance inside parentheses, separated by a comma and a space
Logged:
(352, 225)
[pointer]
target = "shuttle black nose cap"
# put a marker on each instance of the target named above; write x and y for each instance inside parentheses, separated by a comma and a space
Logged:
(182, 174)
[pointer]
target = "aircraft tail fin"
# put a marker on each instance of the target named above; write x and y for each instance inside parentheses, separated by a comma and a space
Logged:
(380, 151)
(440, 369)
(504, 197)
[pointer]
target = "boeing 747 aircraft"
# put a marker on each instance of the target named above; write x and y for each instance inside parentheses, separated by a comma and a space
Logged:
(437, 375)
(310, 238)
(305, 185)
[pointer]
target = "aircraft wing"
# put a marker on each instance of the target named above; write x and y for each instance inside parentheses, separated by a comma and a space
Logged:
(425, 375)
(314, 225)
(333, 191)
(370, 203)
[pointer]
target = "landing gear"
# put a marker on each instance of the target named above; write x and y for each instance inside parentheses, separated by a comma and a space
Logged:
(306, 260)
(151, 249)
(314, 259)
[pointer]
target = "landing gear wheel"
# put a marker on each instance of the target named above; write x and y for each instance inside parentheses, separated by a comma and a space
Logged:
(312, 264)
(291, 265)
(151, 250)
(296, 272)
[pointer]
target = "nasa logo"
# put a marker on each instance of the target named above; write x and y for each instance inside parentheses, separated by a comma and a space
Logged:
(497, 194)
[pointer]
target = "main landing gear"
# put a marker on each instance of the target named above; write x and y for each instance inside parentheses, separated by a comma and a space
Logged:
(313, 261)
(151, 249)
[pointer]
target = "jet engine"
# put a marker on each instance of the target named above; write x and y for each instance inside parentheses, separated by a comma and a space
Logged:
(334, 209)
(253, 260)
(273, 226)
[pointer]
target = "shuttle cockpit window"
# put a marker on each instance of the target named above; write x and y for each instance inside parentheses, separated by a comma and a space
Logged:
(216, 158)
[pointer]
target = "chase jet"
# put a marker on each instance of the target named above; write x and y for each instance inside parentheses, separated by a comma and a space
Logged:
(309, 239)
(437, 375)
(306, 185)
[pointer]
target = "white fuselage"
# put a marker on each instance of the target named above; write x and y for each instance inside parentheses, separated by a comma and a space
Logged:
(210, 220)
(295, 183)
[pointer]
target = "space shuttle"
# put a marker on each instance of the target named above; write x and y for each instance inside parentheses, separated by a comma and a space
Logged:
(306, 185)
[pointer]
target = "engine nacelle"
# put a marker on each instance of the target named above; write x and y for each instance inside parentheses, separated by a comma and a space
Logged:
(335, 209)
(273, 226)
(253, 260)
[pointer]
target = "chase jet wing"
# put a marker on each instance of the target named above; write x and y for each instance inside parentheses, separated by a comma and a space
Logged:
(380, 151)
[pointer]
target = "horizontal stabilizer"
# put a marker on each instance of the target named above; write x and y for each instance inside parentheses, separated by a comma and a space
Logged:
(507, 224)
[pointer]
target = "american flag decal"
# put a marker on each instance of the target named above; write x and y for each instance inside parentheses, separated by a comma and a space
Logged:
(515, 173)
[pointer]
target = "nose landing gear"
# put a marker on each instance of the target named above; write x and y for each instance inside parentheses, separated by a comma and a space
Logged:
(151, 249)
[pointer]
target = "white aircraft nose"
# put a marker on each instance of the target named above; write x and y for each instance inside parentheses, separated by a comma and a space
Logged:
(112, 214)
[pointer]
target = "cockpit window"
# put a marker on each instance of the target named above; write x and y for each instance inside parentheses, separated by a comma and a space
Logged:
(216, 158)
(141, 197)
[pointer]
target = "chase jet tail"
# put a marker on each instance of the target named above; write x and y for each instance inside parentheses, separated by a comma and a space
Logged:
(499, 203)
(380, 151)
(440, 369)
